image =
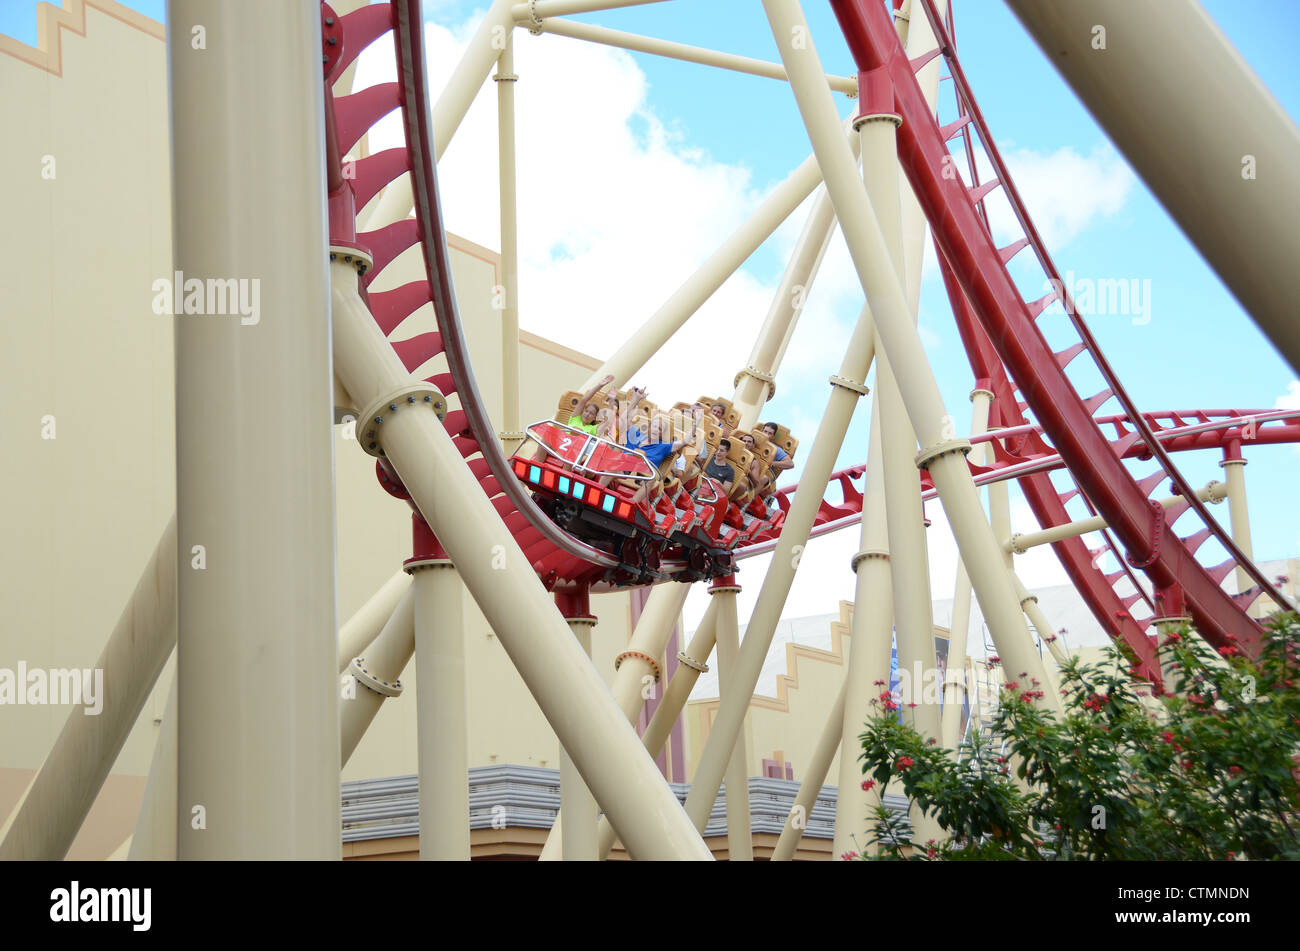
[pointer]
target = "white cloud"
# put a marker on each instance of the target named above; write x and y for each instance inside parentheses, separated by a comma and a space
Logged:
(1064, 191)
(615, 210)
(1291, 398)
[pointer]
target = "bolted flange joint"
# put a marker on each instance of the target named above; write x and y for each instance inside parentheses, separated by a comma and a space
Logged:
(944, 448)
(352, 255)
(411, 396)
(692, 663)
(860, 121)
(364, 677)
(412, 565)
(640, 655)
(765, 378)
(864, 555)
(860, 388)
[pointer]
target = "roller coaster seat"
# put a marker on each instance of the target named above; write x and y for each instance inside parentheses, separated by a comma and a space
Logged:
(730, 415)
(784, 439)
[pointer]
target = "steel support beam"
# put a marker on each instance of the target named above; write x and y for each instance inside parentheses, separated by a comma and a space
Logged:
(56, 804)
(1231, 184)
(941, 454)
(570, 692)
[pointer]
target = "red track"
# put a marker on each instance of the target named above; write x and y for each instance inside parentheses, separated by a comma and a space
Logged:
(1006, 345)
(997, 328)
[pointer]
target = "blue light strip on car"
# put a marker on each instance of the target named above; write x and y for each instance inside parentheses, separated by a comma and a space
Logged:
(564, 485)
(535, 474)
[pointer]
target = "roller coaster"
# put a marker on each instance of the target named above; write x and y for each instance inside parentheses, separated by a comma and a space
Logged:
(561, 503)
(1024, 374)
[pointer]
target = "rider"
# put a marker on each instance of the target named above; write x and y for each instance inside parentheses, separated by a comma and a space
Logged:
(782, 461)
(587, 412)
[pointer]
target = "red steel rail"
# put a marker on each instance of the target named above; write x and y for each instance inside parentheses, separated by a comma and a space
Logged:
(979, 267)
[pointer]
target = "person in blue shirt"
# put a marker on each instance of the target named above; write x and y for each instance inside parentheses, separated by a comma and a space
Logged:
(782, 460)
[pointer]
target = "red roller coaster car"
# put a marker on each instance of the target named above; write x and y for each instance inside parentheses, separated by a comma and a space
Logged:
(586, 485)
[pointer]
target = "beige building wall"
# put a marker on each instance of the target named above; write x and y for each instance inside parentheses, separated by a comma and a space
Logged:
(87, 436)
(786, 714)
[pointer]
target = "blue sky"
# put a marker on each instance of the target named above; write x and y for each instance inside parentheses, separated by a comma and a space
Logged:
(1199, 348)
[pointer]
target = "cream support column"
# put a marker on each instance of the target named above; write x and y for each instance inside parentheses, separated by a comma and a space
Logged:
(258, 766)
(740, 844)
(506, 79)
(442, 738)
(913, 28)
(155, 830)
(754, 386)
(578, 835)
(868, 675)
(571, 694)
(1029, 603)
(373, 677)
(910, 570)
(847, 387)
(154, 839)
(1229, 182)
(634, 670)
(1019, 543)
(941, 454)
(955, 691)
(363, 627)
(819, 764)
(651, 336)
(691, 54)
(674, 700)
(525, 12)
(484, 49)
(1234, 473)
(56, 804)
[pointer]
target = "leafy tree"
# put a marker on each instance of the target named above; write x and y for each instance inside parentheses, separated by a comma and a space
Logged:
(1207, 770)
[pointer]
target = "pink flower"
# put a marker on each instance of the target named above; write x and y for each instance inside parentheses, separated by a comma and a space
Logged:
(1234, 770)
(867, 784)
(849, 856)
(904, 763)
(1228, 651)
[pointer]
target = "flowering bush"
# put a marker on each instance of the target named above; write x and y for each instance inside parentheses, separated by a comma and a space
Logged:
(1206, 771)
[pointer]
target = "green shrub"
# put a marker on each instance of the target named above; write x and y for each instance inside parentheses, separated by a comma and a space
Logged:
(1209, 772)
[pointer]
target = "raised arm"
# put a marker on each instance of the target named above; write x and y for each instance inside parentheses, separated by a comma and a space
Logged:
(636, 395)
(591, 394)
